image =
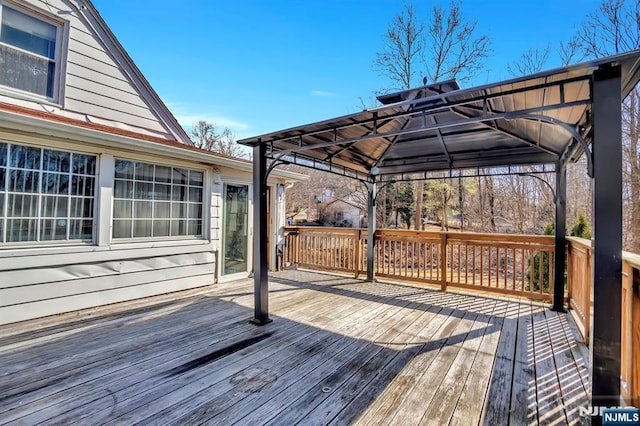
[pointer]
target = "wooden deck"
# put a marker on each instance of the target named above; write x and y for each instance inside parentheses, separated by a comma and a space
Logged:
(339, 351)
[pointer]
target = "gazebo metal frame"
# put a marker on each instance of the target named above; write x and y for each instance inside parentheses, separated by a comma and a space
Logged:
(548, 118)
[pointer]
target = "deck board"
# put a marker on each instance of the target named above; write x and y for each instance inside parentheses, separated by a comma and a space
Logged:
(523, 387)
(469, 405)
(340, 351)
(145, 383)
(548, 395)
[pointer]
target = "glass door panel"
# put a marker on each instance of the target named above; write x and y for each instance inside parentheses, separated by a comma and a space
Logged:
(234, 232)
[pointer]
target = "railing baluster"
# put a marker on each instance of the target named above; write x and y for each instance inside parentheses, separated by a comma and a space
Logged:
(497, 270)
(443, 268)
(474, 266)
(497, 263)
(466, 264)
(458, 263)
(481, 266)
(513, 269)
(550, 277)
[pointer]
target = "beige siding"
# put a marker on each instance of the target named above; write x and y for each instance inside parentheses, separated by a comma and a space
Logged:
(40, 281)
(40, 285)
(95, 83)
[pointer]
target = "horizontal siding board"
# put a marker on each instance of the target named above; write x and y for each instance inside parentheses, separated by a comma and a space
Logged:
(55, 7)
(43, 308)
(78, 35)
(132, 111)
(79, 88)
(81, 54)
(36, 260)
(55, 291)
(20, 281)
(145, 121)
(107, 92)
(77, 74)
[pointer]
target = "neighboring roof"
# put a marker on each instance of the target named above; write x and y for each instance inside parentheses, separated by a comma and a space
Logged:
(301, 213)
(536, 119)
(351, 203)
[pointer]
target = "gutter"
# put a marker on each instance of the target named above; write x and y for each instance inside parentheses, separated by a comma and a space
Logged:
(48, 128)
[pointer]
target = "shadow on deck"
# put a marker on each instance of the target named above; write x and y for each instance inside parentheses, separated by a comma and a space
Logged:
(339, 351)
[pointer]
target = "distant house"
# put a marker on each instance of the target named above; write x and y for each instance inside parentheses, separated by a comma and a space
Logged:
(300, 216)
(345, 211)
(102, 196)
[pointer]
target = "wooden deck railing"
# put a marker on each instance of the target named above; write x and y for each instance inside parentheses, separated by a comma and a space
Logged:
(630, 330)
(520, 265)
(509, 264)
(579, 282)
(331, 249)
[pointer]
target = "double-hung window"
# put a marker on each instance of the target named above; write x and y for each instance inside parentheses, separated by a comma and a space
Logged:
(45, 195)
(29, 52)
(156, 201)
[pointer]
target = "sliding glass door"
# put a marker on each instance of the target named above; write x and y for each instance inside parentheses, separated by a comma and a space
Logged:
(234, 232)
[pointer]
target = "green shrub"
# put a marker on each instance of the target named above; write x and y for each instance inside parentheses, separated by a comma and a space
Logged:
(581, 227)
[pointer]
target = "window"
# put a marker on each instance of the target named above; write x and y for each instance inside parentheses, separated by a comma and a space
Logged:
(28, 52)
(156, 201)
(45, 195)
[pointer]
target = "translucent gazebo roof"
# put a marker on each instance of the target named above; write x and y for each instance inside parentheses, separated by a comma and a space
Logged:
(537, 119)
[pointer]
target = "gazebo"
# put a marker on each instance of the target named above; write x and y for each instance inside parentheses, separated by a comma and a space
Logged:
(552, 118)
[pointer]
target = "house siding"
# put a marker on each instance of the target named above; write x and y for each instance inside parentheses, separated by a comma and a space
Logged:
(41, 279)
(33, 286)
(95, 83)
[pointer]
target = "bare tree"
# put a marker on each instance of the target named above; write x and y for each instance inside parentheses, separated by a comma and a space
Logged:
(528, 219)
(404, 45)
(455, 50)
(446, 47)
(614, 28)
(570, 51)
(206, 135)
(530, 62)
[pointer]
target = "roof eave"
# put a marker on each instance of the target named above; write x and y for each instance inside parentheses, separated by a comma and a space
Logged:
(48, 128)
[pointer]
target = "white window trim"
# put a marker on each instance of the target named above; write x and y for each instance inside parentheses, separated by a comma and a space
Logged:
(53, 243)
(236, 181)
(60, 59)
(205, 212)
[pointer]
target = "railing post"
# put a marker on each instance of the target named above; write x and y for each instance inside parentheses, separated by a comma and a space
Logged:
(587, 297)
(443, 259)
(634, 385)
(626, 330)
(295, 255)
(560, 239)
(569, 272)
(356, 257)
(371, 230)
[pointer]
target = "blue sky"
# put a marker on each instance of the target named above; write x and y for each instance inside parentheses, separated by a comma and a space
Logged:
(259, 66)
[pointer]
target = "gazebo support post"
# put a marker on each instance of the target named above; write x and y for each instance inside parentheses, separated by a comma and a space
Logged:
(260, 269)
(560, 236)
(604, 350)
(371, 229)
